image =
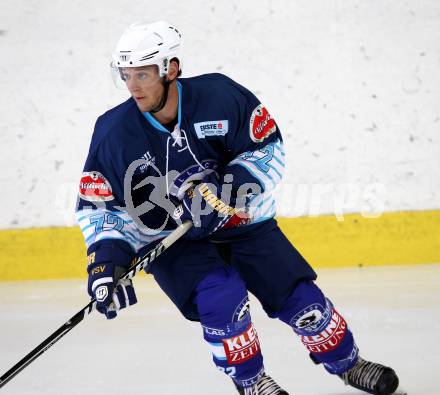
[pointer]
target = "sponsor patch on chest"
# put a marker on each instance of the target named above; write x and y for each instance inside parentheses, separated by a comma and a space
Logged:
(211, 128)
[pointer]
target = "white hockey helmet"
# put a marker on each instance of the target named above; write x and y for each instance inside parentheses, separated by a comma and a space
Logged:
(144, 44)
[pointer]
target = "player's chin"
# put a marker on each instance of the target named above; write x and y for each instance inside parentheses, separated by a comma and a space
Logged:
(143, 104)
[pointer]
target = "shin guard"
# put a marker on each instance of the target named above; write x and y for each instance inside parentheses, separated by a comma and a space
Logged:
(223, 306)
(322, 330)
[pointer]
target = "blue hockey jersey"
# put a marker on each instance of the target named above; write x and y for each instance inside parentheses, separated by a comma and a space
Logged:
(134, 163)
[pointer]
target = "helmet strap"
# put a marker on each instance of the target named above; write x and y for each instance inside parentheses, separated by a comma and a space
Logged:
(166, 86)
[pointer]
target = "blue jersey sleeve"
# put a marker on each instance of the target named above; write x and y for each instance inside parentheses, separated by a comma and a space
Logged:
(255, 143)
(101, 211)
(257, 154)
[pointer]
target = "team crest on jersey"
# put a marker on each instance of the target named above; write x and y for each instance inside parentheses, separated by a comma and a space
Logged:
(192, 173)
(211, 128)
(94, 187)
(261, 124)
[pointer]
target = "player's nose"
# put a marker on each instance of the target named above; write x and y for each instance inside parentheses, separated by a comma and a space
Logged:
(132, 86)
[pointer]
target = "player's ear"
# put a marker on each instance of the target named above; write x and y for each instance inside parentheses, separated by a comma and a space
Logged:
(173, 70)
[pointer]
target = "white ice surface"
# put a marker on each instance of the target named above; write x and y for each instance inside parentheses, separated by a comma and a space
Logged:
(150, 349)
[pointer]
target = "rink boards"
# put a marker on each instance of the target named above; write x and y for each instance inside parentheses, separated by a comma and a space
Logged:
(392, 238)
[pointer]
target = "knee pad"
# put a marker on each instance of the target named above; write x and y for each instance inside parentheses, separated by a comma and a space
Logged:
(224, 313)
(322, 330)
(221, 297)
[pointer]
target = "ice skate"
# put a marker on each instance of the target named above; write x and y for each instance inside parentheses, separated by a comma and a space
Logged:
(371, 377)
(265, 386)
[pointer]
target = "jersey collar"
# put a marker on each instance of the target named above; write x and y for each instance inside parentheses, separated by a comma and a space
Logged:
(156, 124)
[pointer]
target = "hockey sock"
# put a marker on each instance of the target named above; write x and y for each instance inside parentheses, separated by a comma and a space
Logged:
(322, 330)
(223, 307)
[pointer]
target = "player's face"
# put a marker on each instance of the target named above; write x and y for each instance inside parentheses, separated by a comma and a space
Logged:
(145, 85)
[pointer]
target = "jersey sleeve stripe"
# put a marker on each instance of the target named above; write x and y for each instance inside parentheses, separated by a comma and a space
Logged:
(276, 171)
(265, 164)
(267, 181)
(106, 224)
(279, 161)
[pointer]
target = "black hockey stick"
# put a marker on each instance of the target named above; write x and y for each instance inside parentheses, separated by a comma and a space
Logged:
(136, 267)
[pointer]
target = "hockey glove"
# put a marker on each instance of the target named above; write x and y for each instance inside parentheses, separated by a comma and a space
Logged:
(108, 260)
(204, 204)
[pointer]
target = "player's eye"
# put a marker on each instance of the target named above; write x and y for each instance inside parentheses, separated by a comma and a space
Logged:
(142, 76)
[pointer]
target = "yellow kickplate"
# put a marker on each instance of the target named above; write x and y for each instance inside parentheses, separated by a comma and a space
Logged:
(393, 238)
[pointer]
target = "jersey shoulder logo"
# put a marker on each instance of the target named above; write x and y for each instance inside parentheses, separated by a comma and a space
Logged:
(211, 128)
(94, 187)
(261, 124)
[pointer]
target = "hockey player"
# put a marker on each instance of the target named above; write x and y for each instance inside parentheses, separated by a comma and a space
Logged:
(204, 149)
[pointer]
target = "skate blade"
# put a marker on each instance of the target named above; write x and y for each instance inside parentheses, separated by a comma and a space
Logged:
(400, 392)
